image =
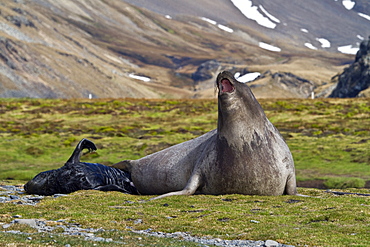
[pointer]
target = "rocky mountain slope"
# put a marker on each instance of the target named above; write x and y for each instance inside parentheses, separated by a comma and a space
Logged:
(355, 80)
(174, 49)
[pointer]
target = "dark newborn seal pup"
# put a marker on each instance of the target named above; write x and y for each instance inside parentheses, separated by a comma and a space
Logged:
(76, 175)
(245, 154)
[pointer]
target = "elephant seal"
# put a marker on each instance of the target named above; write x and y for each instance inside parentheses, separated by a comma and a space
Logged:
(245, 154)
(76, 175)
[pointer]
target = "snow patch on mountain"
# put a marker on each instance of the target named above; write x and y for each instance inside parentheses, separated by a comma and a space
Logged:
(251, 12)
(273, 18)
(269, 47)
(138, 77)
(225, 28)
(348, 49)
(324, 42)
(310, 46)
(222, 27)
(209, 20)
(304, 30)
(348, 4)
(364, 16)
(247, 77)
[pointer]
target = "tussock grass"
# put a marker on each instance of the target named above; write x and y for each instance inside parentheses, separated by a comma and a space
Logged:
(329, 140)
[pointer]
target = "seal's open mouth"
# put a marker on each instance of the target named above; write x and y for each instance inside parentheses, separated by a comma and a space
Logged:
(225, 86)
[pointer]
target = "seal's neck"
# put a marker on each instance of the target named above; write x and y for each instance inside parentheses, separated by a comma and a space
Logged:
(239, 115)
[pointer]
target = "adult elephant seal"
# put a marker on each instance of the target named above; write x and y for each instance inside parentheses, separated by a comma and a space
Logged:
(76, 175)
(245, 154)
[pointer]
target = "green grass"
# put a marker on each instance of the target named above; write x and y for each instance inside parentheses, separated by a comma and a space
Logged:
(321, 220)
(344, 182)
(329, 140)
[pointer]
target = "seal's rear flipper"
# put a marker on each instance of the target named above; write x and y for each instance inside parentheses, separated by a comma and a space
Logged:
(84, 143)
(291, 186)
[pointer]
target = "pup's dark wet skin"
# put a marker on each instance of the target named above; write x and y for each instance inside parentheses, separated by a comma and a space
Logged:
(76, 175)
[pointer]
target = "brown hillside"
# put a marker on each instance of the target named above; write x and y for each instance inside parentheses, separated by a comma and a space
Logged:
(73, 49)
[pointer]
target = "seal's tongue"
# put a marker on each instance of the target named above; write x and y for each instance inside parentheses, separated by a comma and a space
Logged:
(226, 86)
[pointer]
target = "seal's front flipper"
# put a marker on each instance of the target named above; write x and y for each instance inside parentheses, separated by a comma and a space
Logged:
(84, 143)
(190, 188)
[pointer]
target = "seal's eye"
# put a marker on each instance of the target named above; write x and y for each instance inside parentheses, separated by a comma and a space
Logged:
(226, 86)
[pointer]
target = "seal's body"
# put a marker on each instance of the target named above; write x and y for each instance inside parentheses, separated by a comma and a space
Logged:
(245, 154)
(76, 175)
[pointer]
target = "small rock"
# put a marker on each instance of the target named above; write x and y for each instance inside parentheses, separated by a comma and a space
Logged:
(36, 198)
(59, 195)
(13, 197)
(7, 226)
(138, 221)
(30, 222)
(271, 243)
(99, 239)
(177, 234)
(3, 199)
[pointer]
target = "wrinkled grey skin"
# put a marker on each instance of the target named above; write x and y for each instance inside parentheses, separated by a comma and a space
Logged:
(76, 175)
(245, 154)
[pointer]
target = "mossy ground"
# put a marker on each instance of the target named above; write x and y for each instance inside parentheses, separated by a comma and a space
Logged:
(328, 139)
(323, 219)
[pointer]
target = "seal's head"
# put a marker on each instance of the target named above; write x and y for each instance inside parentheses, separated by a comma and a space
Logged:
(228, 88)
(43, 183)
(236, 100)
(225, 83)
